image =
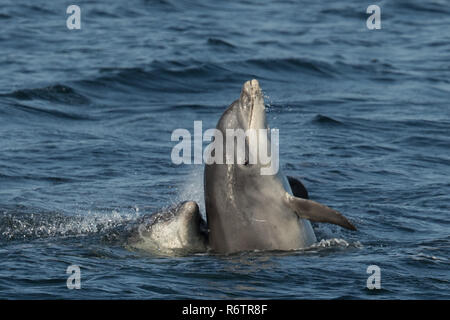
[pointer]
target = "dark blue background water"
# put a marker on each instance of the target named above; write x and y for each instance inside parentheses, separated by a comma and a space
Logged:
(86, 118)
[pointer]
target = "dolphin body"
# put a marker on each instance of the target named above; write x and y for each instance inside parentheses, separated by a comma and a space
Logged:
(247, 210)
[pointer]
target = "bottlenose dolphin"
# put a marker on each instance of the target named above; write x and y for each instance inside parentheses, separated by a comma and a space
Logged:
(247, 210)
(177, 230)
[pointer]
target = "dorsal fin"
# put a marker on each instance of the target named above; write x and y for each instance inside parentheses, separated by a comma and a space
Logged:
(297, 187)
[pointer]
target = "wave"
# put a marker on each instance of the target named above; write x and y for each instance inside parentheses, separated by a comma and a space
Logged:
(321, 119)
(55, 93)
(43, 111)
(169, 76)
(424, 141)
(439, 7)
(194, 76)
(219, 42)
(193, 69)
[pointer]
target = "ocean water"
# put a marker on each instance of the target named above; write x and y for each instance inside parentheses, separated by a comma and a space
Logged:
(86, 118)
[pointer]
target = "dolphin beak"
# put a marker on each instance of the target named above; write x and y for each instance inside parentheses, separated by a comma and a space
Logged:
(252, 101)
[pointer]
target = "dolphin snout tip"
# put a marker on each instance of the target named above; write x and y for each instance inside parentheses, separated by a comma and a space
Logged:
(251, 91)
(190, 205)
(254, 83)
(251, 85)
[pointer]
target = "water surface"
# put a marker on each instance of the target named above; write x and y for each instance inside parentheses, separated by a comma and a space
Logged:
(86, 118)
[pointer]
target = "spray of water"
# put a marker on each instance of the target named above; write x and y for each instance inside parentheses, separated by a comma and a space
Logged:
(192, 188)
(25, 225)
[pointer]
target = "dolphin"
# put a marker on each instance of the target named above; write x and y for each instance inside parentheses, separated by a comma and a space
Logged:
(177, 230)
(248, 211)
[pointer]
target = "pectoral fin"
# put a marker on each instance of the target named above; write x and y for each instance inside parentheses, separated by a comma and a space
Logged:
(317, 212)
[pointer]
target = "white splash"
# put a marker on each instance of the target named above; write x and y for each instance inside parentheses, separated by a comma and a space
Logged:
(192, 188)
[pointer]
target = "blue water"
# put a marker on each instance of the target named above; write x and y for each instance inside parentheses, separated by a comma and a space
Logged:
(86, 118)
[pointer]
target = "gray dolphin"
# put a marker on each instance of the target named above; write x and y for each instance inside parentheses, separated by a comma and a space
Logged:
(249, 211)
(177, 230)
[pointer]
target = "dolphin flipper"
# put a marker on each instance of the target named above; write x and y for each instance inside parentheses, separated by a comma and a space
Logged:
(317, 212)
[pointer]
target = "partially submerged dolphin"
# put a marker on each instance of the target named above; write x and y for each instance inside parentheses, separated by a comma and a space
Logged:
(177, 230)
(250, 211)
(245, 210)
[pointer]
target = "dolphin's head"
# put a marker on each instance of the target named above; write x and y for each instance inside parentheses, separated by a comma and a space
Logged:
(247, 112)
(189, 219)
(184, 220)
(179, 228)
(247, 116)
